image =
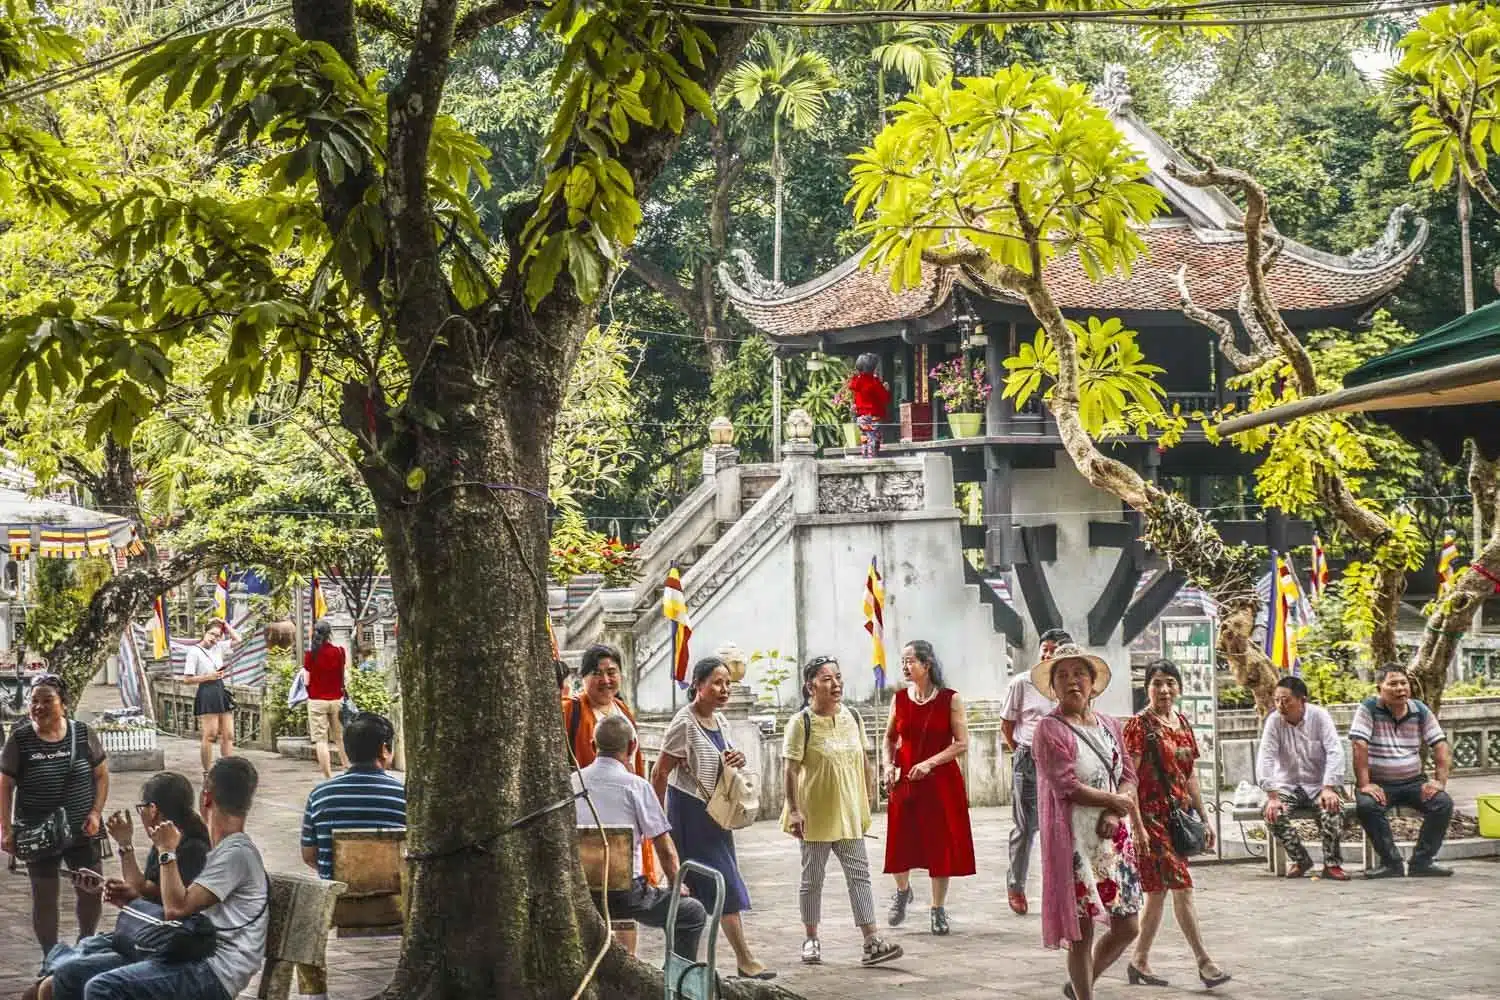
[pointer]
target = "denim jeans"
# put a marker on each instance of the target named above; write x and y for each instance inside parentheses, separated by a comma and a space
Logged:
(1436, 812)
(155, 980)
(649, 905)
(70, 978)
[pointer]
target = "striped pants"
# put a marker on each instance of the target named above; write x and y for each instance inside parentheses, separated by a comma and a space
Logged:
(856, 865)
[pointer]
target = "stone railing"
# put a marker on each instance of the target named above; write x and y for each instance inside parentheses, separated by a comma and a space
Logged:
(173, 701)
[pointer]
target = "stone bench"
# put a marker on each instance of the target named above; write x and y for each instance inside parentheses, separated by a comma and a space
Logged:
(370, 863)
(301, 911)
(1276, 856)
(617, 877)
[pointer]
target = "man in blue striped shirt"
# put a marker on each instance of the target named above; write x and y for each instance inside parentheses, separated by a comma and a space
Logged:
(364, 797)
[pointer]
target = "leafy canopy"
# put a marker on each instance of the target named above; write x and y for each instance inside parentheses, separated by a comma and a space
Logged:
(978, 165)
(1451, 70)
(1116, 384)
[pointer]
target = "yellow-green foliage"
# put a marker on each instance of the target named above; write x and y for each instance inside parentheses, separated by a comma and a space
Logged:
(1116, 385)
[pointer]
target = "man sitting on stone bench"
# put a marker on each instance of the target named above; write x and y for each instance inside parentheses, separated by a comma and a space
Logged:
(624, 798)
(1301, 766)
(1388, 733)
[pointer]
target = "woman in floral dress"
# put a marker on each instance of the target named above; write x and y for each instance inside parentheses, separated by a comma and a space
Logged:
(1090, 822)
(1162, 747)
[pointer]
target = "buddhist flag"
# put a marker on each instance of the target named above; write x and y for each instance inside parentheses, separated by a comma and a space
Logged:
(1319, 569)
(1281, 638)
(674, 609)
(161, 646)
(319, 604)
(221, 596)
(875, 621)
(1446, 570)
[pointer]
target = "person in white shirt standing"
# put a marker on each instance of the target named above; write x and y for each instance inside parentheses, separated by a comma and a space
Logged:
(1301, 766)
(212, 703)
(623, 798)
(1024, 705)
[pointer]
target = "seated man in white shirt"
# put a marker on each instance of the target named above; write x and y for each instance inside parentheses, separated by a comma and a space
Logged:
(1301, 765)
(623, 798)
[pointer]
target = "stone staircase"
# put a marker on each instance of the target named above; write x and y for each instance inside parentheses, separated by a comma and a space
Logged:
(777, 558)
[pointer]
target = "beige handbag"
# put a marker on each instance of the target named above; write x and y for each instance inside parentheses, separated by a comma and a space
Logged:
(735, 801)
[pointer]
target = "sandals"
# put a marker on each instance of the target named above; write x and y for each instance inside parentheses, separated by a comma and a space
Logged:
(812, 952)
(878, 950)
(899, 902)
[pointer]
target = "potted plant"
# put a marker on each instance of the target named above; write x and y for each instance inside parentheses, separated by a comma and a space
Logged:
(843, 404)
(964, 389)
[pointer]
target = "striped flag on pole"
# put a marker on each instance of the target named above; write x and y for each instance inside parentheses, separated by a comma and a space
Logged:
(674, 609)
(1281, 637)
(1319, 569)
(1446, 570)
(221, 596)
(161, 644)
(319, 603)
(875, 621)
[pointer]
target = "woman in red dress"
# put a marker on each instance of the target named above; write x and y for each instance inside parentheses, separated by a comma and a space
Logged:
(1161, 744)
(928, 810)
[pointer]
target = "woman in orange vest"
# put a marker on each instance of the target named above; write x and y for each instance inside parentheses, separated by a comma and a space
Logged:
(600, 698)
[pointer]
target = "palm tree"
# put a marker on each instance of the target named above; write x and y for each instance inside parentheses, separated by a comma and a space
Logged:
(913, 50)
(795, 85)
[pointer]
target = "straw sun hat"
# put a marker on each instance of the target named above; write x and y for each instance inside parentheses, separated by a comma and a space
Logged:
(1041, 674)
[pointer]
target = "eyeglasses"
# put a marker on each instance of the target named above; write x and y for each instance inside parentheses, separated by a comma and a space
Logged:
(818, 662)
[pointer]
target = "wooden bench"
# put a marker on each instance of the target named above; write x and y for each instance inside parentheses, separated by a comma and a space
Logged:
(370, 864)
(1276, 856)
(619, 876)
(301, 911)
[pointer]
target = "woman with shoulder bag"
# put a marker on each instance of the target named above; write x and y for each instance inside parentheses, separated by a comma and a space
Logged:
(829, 785)
(213, 705)
(1161, 744)
(695, 752)
(56, 770)
(1090, 822)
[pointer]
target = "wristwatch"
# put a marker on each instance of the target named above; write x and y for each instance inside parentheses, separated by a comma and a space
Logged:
(166, 857)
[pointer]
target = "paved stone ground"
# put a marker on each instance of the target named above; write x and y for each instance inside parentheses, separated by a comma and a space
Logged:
(1379, 941)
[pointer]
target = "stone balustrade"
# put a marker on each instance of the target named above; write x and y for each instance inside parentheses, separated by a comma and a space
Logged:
(173, 701)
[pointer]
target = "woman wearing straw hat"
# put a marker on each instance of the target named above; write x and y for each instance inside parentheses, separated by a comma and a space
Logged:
(1090, 821)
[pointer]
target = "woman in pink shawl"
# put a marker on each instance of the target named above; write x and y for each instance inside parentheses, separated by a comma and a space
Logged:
(1090, 821)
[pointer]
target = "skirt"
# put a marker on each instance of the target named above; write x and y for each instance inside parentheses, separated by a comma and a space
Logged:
(698, 838)
(213, 698)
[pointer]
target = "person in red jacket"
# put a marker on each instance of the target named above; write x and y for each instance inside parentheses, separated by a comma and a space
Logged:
(324, 665)
(872, 403)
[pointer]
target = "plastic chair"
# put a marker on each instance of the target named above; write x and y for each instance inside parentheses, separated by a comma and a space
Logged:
(685, 980)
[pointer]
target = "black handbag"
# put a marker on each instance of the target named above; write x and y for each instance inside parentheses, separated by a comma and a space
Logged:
(142, 932)
(51, 835)
(1188, 832)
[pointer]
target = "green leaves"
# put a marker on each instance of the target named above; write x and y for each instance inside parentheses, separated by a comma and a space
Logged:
(620, 71)
(1116, 385)
(1006, 171)
(1449, 75)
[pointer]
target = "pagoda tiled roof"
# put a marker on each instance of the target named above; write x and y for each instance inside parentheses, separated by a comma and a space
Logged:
(1303, 280)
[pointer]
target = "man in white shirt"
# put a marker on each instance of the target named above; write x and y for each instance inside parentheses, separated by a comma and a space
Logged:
(1301, 766)
(623, 798)
(1024, 705)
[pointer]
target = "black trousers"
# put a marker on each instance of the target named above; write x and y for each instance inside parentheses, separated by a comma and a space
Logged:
(1436, 812)
(648, 905)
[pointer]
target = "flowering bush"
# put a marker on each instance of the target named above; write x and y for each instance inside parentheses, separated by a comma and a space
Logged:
(843, 404)
(963, 387)
(577, 550)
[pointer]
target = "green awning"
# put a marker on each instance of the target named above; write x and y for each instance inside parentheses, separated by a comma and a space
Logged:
(1467, 338)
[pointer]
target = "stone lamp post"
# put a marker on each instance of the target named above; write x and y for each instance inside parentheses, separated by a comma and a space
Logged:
(720, 432)
(799, 432)
(741, 701)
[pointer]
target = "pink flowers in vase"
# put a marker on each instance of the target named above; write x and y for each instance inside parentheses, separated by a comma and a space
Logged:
(962, 386)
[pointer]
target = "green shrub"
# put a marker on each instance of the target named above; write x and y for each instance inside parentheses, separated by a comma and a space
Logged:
(1232, 696)
(366, 687)
(1471, 689)
(1330, 683)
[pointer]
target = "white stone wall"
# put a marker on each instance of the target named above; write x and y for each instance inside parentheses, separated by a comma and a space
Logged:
(1063, 497)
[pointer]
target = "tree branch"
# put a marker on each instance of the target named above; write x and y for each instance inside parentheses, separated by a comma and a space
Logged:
(1218, 324)
(382, 17)
(481, 19)
(667, 286)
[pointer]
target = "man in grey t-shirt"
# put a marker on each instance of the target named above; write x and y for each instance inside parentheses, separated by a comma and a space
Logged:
(231, 891)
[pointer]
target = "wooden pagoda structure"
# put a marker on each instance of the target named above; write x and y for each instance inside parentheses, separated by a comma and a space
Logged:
(1019, 456)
